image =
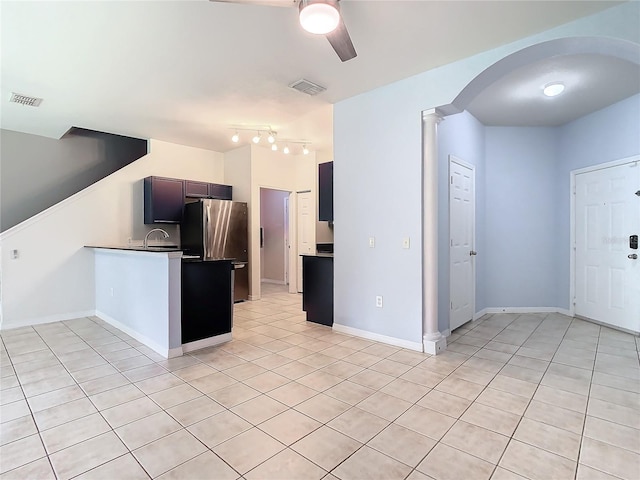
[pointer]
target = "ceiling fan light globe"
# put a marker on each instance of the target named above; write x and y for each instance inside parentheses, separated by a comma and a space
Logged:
(319, 18)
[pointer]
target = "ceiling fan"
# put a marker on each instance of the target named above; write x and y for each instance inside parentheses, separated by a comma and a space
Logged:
(321, 17)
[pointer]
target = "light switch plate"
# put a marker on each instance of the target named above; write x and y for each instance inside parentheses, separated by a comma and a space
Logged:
(406, 242)
(372, 242)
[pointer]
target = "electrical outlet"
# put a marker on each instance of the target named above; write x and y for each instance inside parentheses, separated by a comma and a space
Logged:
(379, 301)
(15, 254)
(372, 242)
(406, 242)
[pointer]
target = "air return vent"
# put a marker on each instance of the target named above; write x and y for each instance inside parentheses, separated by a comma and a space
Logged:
(24, 100)
(305, 86)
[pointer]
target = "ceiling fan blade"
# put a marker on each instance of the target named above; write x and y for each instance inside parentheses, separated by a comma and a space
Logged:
(341, 42)
(267, 3)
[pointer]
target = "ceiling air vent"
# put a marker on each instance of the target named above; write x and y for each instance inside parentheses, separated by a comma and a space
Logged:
(24, 100)
(305, 86)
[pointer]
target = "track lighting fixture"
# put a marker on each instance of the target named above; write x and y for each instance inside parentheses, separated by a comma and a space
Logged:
(272, 138)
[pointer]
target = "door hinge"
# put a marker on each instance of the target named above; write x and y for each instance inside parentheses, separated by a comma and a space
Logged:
(451, 305)
(451, 180)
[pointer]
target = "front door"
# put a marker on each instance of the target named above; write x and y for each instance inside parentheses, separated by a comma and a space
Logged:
(607, 268)
(461, 244)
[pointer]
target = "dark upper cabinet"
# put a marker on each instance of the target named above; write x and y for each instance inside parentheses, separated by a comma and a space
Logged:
(221, 192)
(163, 200)
(196, 189)
(325, 192)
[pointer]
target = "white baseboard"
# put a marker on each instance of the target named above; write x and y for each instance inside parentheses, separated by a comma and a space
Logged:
(206, 342)
(60, 317)
(253, 298)
(164, 351)
(397, 342)
(563, 311)
(276, 282)
(479, 314)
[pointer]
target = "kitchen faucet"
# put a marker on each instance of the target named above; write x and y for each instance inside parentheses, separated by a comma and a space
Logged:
(146, 237)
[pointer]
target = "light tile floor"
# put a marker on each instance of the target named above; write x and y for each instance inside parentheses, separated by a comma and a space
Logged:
(514, 396)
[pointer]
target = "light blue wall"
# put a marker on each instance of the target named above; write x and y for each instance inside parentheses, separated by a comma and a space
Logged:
(377, 186)
(462, 136)
(612, 133)
(521, 197)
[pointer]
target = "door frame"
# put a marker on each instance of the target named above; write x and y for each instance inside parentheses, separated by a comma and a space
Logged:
(462, 163)
(572, 221)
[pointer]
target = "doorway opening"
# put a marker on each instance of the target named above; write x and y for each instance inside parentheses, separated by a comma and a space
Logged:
(274, 238)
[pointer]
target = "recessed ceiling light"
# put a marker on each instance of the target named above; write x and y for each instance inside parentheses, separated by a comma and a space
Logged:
(553, 89)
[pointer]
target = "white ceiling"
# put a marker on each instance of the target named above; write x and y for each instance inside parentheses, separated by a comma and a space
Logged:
(591, 82)
(184, 71)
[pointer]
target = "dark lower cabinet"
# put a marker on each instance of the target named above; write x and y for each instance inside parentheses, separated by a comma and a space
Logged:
(317, 284)
(207, 303)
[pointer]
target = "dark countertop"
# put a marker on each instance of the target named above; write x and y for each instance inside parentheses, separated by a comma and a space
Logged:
(319, 255)
(161, 249)
(139, 248)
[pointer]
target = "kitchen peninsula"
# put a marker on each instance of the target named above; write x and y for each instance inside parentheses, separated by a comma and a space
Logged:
(156, 295)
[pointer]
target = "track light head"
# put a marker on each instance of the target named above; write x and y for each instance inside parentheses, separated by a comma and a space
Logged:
(272, 137)
(305, 150)
(286, 150)
(235, 138)
(257, 138)
(274, 147)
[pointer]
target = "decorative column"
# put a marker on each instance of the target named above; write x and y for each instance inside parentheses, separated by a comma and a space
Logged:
(433, 342)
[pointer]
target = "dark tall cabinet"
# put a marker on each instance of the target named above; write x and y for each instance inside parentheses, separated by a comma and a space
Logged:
(325, 192)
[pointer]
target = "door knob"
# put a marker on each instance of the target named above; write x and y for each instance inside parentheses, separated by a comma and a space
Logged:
(473, 252)
(633, 256)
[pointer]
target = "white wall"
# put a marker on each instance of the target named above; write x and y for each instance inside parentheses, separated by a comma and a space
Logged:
(53, 278)
(521, 205)
(612, 133)
(253, 167)
(377, 187)
(462, 136)
(278, 171)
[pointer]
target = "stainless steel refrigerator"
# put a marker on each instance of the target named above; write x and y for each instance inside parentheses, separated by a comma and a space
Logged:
(218, 229)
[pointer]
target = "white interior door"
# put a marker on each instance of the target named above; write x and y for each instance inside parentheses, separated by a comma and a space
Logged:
(306, 223)
(287, 244)
(461, 251)
(607, 276)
